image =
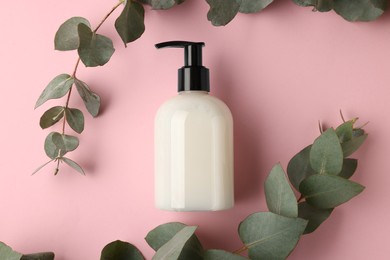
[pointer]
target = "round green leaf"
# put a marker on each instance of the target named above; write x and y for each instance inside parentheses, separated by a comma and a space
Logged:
(130, 23)
(57, 145)
(328, 191)
(56, 88)
(349, 168)
(314, 215)
(222, 11)
(319, 5)
(279, 195)
(173, 248)
(67, 37)
(73, 164)
(299, 167)
(353, 145)
(253, 6)
(270, 236)
(360, 10)
(344, 131)
(94, 49)
(51, 116)
(326, 155)
(91, 100)
(7, 253)
(75, 119)
(214, 254)
(119, 250)
(160, 235)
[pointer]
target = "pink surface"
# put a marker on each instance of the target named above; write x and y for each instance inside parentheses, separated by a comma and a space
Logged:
(279, 71)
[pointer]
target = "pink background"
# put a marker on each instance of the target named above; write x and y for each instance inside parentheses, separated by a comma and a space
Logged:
(280, 71)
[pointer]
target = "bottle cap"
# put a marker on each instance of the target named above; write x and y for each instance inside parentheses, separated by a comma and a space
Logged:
(193, 75)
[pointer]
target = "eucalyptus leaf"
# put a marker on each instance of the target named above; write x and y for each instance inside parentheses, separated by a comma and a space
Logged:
(222, 11)
(214, 254)
(57, 145)
(130, 23)
(253, 6)
(353, 145)
(349, 168)
(299, 167)
(75, 119)
(160, 235)
(39, 256)
(91, 100)
(119, 250)
(73, 164)
(40, 167)
(270, 236)
(56, 88)
(328, 191)
(67, 37)
(7, 253)
(356, 132)
(173, 248)
(279, 195)
(326, 155)
(51, 117)
(164, 4)
(360, 10)
(319, 5)
(94, 49)
(312, 214)
(344, 131)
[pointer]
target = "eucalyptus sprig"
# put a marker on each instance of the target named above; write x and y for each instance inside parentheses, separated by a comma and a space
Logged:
(93, 50)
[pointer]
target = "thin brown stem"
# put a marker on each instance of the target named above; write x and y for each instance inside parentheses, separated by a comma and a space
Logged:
(300, 198)
(107, 15)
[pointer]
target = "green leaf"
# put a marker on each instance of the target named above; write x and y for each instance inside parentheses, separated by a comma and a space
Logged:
(353, 145)
(73, 164)
(319, 5)
(328, 191)
(314, 215)
(173, 248)
(95, 49)
(326, 155)
(344, 131)
(7, 253)
(360, 10)
(51, 116)
(119, 250)
(40, 167)
(130, 23)
(222, 11)
(214, 254)
(39, 256)
(253, 6)
(164, 4)
(57, 145)
(349, 168)
(279, 195)
(159, 236)
(270, 236)
(75, 119)
(67, 37)
(356, 132)
(56, 88)
(299, 167)
(91, 100)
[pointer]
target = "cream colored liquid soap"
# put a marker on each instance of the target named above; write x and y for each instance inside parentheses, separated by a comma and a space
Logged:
(193, 142)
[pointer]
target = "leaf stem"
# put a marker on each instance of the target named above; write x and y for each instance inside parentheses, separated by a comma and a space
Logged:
(300, 198)
(108, 14)
(240, 250)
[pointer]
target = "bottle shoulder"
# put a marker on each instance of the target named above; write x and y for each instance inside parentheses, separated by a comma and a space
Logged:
(195, 102)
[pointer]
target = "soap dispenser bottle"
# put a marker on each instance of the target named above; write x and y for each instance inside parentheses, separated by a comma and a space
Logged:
(193, 142)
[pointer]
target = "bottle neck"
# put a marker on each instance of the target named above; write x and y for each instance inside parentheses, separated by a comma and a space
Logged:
(193, 92)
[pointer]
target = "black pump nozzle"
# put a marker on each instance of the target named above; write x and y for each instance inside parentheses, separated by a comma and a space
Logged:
(193, 75)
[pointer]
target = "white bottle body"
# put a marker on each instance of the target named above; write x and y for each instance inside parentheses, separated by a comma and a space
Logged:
(194, 154)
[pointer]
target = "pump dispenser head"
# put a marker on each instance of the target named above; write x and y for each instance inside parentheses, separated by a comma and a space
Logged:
(193, 75)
